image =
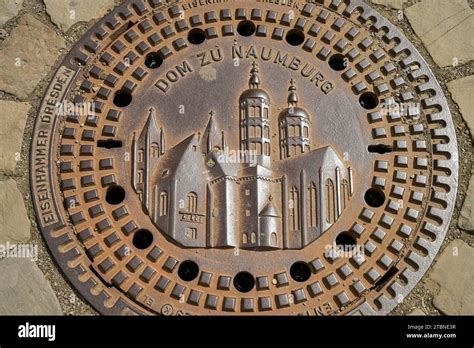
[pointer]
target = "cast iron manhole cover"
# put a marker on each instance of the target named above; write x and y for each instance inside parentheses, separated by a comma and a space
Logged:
(244, 157)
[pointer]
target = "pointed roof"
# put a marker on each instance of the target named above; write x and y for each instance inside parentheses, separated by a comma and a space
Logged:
(325, 158)
(269, 209)
(254, 81)
(293, 110)
(151, 124)
(211, 136)
(211, 124)
(254, 91)
(292, 96)
(178, 155)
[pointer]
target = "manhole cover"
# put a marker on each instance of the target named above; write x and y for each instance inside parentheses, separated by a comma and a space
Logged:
(244, 157)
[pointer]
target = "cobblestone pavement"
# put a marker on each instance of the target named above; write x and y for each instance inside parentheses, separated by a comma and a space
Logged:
(440, 29)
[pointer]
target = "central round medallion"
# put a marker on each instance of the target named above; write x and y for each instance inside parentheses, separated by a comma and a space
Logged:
(253, 176)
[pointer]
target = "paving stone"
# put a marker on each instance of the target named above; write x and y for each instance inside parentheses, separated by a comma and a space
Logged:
(27, 55)
(24, 289)
(14, 223)
(9, 9)
(66, 13)
(466, 218)
(445, 27)
(396, 4)
(12, 118)
(453, 272)
(417, 311)
(462, 91)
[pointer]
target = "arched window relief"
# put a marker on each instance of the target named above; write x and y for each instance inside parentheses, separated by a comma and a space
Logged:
(163, 203)
(140, 156)
(313, 205)
(252, 132)
(258, 111)
(267, 132)
(345, 193)
(274, 239)
(155, 150)
(253, 238)
(243, 132)
(140, 177)
(267, 149)
(292, 131)
(192, 202)
(245, 238)
(155, 203)
(298, 131)
(330, 202)
(191, 233)
(294, 209)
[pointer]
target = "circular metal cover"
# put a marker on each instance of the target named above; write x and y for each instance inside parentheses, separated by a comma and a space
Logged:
(244, 157)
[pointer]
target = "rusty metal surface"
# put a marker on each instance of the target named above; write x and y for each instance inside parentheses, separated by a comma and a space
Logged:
(244, 157)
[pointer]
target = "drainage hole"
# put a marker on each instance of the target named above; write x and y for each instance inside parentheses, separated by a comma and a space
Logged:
(380, 149)
(109, 144)
(368, 100)
(345, 241)
(300, 271)
(122, 99)
(115, 195)
(246, 28)
(386, 277)
(295, 37)
(244, 281)
(338, 62)
(197, 36)
(188, 270)
(142, 239)
(374, 198)
(153, 60)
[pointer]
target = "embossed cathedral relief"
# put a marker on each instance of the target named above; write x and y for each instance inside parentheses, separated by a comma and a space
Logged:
(264, 199)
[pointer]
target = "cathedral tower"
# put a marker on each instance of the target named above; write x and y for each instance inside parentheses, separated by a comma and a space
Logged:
(147, 150)
(212, 139)
(294, 124)
(254, 105)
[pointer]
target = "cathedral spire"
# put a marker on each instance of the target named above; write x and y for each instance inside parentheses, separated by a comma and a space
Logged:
(152, 113)
(292, 96)
(254, 79)
(294, 124)
(211, 138)
(151, 126)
